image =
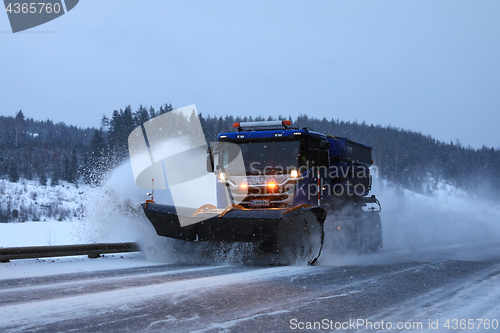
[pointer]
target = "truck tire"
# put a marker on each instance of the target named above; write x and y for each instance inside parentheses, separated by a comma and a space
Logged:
(369, 235)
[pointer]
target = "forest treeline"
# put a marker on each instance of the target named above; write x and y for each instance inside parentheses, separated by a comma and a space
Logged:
(50, 152)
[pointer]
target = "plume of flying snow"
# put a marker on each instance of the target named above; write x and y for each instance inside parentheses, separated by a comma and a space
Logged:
(114, 214)
(447, 224)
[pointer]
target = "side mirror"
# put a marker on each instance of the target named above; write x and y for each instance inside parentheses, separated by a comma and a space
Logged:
(324, 144)
(210, 163)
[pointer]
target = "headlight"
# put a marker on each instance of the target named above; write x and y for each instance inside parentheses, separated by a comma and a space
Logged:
(294, 173)
(222, 176)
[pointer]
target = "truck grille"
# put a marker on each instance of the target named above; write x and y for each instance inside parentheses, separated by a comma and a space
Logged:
(279, 196)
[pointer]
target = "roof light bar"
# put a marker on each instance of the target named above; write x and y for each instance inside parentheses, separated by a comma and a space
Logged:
(247, 124)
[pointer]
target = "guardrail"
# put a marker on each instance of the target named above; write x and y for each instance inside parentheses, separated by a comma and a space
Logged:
(92, 250)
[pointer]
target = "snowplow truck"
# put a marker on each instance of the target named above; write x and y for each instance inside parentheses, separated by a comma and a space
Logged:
(292, 180)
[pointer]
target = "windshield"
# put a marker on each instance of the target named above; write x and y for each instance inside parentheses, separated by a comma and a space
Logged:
(264, 157)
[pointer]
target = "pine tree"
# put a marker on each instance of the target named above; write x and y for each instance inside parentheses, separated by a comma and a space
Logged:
(19, 124)
(54, 180)
(166, 108)
(152, 112)
(95, 163)
(13, 172)
(66, 171)
(104, 123)
(141, 116)
(4, 166)
(43, 179)
(73, 167)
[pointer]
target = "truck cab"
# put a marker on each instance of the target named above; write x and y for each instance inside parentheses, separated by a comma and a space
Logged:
(285, 167)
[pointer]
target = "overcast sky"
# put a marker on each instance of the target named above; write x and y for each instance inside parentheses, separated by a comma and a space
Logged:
(429, 66)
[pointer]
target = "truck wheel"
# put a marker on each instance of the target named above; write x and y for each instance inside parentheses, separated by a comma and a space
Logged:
(369, 233)
(344, 235)
(376, 242)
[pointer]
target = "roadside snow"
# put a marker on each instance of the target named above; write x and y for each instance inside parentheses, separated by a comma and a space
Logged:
(69, 214)
(58, 233)
(39, 233)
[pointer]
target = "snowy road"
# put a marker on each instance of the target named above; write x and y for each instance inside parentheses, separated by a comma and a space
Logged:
(116, 294)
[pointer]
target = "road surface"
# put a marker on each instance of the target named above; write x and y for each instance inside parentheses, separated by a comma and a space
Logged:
(396, 288)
